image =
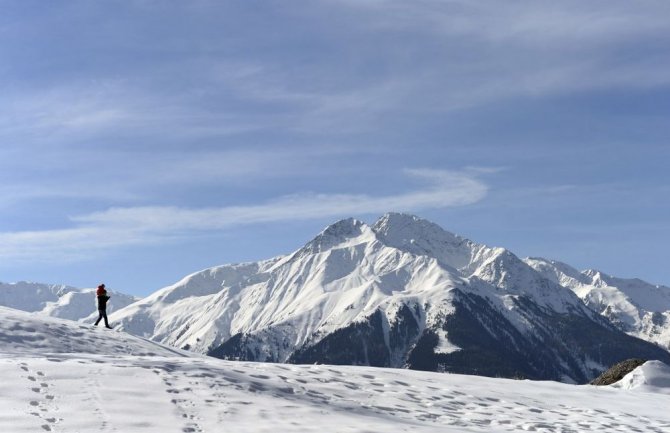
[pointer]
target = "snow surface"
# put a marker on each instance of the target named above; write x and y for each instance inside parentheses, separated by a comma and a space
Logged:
(62, 376)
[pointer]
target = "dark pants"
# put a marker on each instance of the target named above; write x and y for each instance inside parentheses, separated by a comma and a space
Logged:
(103, 315)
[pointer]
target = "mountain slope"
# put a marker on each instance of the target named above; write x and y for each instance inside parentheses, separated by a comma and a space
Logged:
(632, 305)
(400, 293)
(55, 300)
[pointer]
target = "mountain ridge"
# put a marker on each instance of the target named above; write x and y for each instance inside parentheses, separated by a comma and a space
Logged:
(58, 300)
(633, 305)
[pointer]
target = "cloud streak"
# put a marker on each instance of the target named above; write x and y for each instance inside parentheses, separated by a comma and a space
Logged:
(131, 226)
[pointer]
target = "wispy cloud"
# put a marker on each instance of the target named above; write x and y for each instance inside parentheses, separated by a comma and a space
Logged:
(117, 227)
(127, 176)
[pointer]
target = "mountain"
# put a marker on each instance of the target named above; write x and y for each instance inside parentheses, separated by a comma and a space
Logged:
(400, 293)
(634, 306)
(58, 300)
(67, 377)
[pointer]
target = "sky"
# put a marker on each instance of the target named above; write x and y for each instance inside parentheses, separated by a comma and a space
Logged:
(141, 141)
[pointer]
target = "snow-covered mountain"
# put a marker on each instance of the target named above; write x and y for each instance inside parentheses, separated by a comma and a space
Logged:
(67, 377)
(634, 306)
(400, 293)
(58, 300)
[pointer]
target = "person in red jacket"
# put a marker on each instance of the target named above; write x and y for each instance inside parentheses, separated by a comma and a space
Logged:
(101, 293)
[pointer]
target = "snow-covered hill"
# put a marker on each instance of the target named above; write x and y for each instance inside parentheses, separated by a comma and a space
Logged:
(402, 292)
(634, 306)
(652, 376)
(58, 300)
(28, 334)
(62, 376)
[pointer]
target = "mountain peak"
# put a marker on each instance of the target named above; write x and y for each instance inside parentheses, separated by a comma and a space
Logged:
(344, 231)
(394, 219)
(419, 236)
(557, 272)
(407, 227)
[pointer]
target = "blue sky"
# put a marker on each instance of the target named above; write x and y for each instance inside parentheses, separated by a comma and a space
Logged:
(141, 140)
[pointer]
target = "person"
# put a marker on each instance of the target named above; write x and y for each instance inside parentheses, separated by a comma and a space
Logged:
(101, 293)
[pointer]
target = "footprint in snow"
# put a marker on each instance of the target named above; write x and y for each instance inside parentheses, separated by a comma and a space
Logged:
(44, 406)
(182, 405)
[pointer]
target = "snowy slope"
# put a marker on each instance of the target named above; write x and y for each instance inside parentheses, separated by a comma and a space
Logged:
(634, 306)
(402, 292)
(58, 300)
(110, 381)
(23, 333)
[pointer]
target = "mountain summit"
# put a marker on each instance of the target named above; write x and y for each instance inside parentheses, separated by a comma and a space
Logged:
(402, 292)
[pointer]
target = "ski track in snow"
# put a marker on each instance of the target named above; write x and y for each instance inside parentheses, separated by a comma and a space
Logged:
(70, 393)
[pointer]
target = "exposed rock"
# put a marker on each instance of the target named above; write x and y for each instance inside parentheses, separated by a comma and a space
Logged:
(617, 372)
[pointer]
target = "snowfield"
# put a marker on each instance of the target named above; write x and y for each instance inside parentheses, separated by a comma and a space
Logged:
(64, 376)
